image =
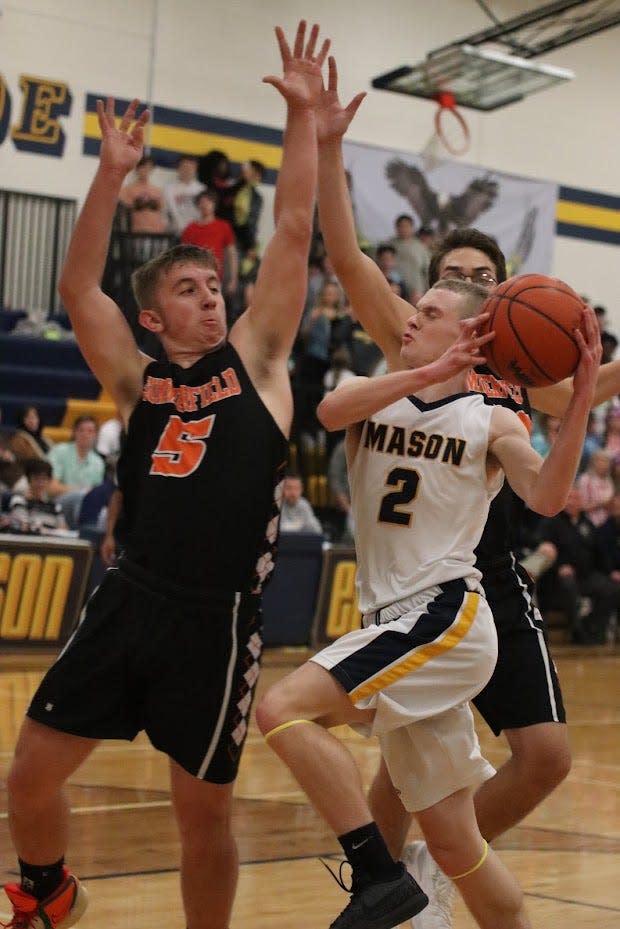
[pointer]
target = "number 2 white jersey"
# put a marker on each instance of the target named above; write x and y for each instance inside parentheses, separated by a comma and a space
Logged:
(420, 495)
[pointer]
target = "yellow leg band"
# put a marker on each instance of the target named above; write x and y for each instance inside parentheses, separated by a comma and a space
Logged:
(476, 866)
(282, 726)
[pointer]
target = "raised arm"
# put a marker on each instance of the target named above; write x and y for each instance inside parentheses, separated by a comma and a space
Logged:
(381, 312)
(101, 329)
(266, 332)
(544, 484)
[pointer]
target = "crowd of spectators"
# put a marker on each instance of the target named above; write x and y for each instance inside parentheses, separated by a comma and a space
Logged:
(59, 488)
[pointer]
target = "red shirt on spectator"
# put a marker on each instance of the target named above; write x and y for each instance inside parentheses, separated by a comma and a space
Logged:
(216, 235)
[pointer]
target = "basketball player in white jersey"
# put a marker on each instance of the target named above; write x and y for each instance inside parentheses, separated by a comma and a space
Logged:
(425, 460)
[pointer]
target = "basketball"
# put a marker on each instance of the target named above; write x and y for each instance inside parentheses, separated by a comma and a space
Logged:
(534, 318)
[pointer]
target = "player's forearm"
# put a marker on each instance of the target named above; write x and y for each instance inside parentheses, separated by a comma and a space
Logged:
(559, 469)
(335, 211)
(296, 187)
(358, 399)
(375, 305)
(88, 249)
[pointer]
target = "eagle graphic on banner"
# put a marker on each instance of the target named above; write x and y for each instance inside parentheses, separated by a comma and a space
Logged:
(432, 210)
(460, 210)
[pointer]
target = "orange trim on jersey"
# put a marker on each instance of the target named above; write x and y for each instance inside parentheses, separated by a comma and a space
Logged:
(187, 399)
(526, 420)
(495, 387)
(492, 386)
(416, 659)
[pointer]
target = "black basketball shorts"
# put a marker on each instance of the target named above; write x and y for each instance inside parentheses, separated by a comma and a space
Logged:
(179, 666)
(524, 688)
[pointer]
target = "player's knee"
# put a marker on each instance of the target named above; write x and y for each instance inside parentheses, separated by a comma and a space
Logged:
(547, 761)
(552, 767)
(26, 784)
(273, 709)
(455, 853)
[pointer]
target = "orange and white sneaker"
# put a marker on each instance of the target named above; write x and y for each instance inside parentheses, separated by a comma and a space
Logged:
(60, 910)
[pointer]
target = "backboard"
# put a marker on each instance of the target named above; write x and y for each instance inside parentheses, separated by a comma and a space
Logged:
(494, 67)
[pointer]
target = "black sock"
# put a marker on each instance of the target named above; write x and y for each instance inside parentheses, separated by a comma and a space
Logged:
(368, 855)
(41, 880)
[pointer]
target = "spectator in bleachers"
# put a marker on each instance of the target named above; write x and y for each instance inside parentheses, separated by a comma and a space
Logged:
(33, 512)
(608, 537)
(75, 464)
(544, 431)
(94, 507)
(11, 471)
(76, 468)
(247, 206)
(180, 195)
(428, 237)
(600, 312)
(339, 369)
(596, 487)
(611, 438)
(365, 354)
(216, 235)
(28, 440)
(412, 257)
(144, 200)
(314, 357)
(385, 257)
(338, 372)
(610, 344)
(338, 484)
(579, 583)
(214, 171)
(321, 272)
(591, 443)
(296, 514)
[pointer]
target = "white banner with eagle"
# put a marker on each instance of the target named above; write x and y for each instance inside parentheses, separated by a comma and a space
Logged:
(520, 213)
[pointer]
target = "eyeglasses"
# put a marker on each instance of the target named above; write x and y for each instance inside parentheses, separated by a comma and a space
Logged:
(484, 278)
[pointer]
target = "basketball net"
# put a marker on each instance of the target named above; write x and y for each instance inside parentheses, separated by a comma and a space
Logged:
(450, 133)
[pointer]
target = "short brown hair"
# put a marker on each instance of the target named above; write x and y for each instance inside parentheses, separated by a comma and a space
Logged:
(473, 294)
(35, 466)
(145, 279)
(467, 238)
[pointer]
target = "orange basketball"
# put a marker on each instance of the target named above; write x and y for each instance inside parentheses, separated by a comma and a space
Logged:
(534, 318)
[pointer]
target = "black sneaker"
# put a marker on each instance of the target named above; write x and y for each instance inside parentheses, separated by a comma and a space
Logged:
(381, 905)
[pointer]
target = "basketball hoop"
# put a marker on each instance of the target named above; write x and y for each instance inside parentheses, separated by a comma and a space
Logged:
(447, 103)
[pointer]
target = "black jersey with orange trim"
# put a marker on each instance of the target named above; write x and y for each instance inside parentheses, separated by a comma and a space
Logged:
(501, 532)
(201, 472)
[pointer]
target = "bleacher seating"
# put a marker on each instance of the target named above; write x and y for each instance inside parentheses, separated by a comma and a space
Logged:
(51, 375)
(10, 318)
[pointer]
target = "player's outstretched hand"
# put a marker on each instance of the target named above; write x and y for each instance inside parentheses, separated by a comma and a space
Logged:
(122, 145)
(588, 336)
(332, 118)
(466, 352)
(302, 82)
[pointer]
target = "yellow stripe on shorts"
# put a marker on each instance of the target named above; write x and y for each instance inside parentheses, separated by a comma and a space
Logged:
(422, 654)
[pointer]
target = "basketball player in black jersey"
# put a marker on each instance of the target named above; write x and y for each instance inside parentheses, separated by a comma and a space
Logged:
(171, 641)
(523, 697)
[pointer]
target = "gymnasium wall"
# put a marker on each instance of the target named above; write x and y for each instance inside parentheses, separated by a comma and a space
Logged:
(208, 58)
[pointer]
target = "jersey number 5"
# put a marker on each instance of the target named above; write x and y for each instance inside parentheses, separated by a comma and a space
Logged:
(407, 482)
(181, 446)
